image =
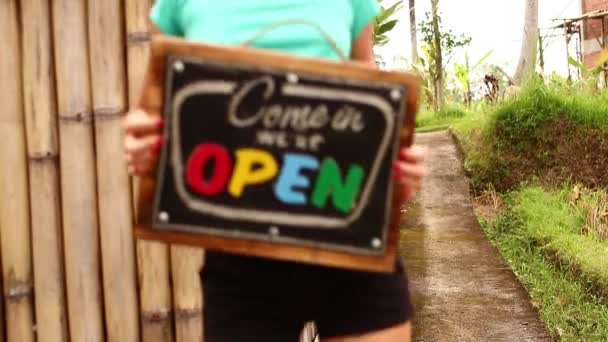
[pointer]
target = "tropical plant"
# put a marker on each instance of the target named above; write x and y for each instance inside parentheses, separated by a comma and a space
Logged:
(591, 75)
(463, 75)
(438, 79)
(384, 22)
(448, 42)
(421, 68)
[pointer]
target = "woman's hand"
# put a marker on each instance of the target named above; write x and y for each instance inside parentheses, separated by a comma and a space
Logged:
(142, 141)
(409, 170)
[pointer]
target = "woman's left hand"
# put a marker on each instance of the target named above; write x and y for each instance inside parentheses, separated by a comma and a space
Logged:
(409, 171)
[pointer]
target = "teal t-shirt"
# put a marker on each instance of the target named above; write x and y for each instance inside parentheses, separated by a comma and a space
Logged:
(232, 22)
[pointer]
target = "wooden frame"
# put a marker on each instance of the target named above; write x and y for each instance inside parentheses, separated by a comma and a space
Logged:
(152, 102)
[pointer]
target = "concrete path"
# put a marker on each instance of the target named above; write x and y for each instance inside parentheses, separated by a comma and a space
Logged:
(462, 289)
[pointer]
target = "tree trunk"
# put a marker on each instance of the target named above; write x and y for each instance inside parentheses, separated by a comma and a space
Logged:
(527, 57)
(438, 80)
(413, 31)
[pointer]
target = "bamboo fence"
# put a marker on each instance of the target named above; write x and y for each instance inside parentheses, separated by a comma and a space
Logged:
(71, 269)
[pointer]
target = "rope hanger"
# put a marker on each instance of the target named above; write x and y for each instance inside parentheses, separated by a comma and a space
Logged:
(263, 32)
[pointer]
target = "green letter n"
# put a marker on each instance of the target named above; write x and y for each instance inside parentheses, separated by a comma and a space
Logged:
(330, 182)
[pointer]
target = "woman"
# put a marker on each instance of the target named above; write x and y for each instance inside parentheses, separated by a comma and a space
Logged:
(252, 299)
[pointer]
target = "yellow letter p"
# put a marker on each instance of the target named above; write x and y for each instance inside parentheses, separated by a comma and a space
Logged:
(253, 166)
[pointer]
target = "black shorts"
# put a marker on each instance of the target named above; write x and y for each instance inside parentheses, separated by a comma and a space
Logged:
(252, 299)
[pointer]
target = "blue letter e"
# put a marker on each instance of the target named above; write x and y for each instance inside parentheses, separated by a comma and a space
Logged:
(291, 178)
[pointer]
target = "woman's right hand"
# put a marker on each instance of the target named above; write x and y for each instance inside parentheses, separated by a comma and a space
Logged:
(143, 141)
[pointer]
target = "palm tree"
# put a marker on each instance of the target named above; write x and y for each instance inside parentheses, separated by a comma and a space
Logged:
(529, 44)
(438, 57)
(413, 31)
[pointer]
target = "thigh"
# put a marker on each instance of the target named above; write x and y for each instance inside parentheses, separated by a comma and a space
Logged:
(248, 300)
(399, 333)
(366, 304)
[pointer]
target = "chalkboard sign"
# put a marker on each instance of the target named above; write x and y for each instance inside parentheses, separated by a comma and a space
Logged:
(274, 156)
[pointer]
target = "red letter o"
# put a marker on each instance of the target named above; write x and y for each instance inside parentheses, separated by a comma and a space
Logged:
(196, 167)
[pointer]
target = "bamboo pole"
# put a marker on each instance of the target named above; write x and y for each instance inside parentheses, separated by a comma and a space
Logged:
(138, 45)
(41, 129)
(14, 212)
(152, 257)
(80, 224)
(44, 179)
(186, 263)
(117, 244)
(155, 292)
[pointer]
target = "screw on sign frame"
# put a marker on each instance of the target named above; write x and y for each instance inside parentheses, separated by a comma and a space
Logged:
(276, 156)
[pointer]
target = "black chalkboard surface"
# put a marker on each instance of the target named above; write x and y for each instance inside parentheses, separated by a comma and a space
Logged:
(266, 154)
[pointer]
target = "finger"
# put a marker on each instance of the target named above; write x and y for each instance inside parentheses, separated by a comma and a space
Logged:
(137, 147)
(408, 184)
(138, 122)
(142, 161)
(405, 192)
(140, 156)
(132, 170)
(142, 166)
(409, 170)
(413, 154)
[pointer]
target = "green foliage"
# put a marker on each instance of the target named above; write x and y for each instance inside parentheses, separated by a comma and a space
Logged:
(446, 117)
(517, 121)
(564, 296)
(450, 41)
(513, 142)
(592, 205)
(426, 65)
(555, 241)
(462, 72)
(482, 163)
(554, 222)
(384, 22)
(590, 76)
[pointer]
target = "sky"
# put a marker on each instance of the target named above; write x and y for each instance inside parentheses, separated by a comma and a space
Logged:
(492, 24)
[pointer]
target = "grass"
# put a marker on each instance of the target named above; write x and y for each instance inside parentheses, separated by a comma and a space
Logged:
(560, 227)
(448, 116)
(536, 227)
(517, 122)
(554, 237)
(516, 141)
(522, 115)
(482, 162)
